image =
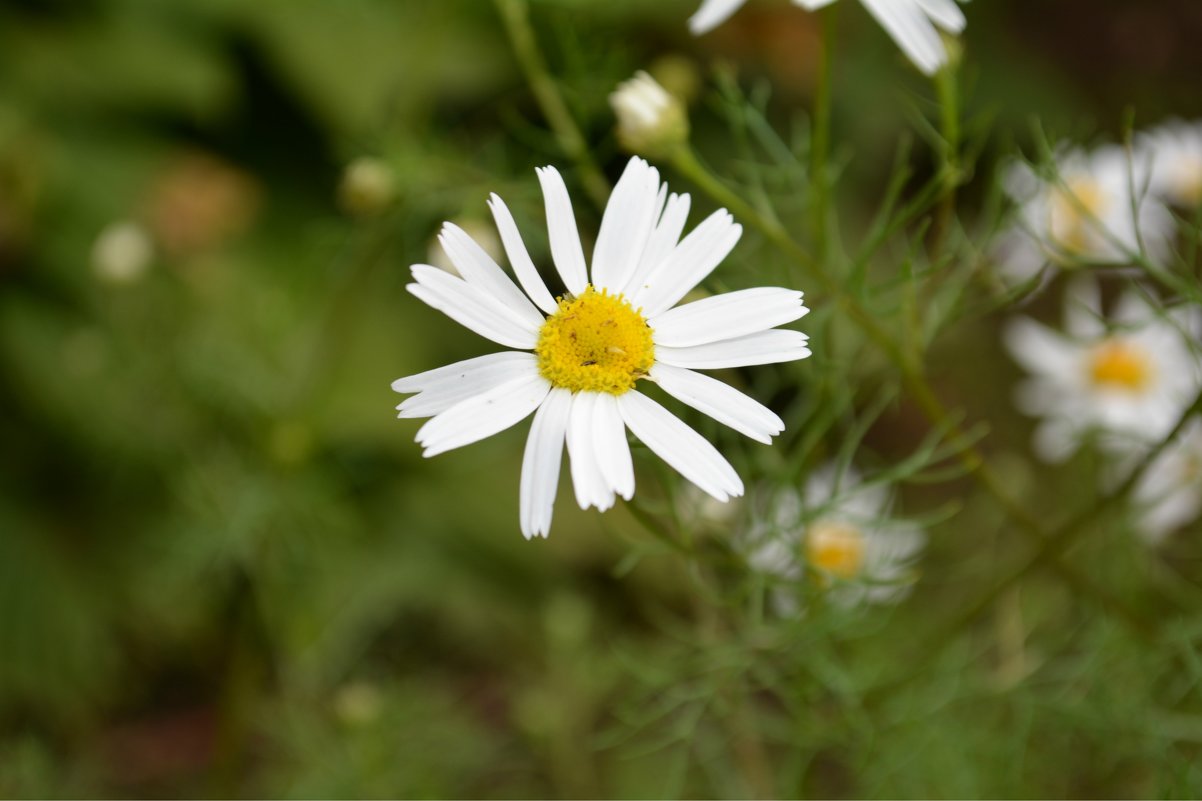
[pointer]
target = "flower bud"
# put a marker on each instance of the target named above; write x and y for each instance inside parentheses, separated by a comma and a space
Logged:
(368, 186)
(122, 253)
(651, 122)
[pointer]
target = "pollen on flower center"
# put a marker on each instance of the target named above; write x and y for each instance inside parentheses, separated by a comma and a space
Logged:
(835, 548)
(1120, 365)
(595, 342)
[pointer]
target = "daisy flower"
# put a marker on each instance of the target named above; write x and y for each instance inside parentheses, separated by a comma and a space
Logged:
(1174, 154)
(839, 530)
(1129, 378)
(1086, 213)
(577, 359)
(913, 24)
(1169, 493)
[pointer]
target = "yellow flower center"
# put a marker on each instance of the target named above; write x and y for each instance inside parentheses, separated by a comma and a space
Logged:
(1074, 208)
(835, 548)
(595, 342)
(1190, 181)
(1120, 365)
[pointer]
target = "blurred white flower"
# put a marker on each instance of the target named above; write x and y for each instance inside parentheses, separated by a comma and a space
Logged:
(1173, 152)
(1169, 494)
(651, 121)
(122, 253)
(480, 232)
(1088, 212)
(1129, 379)
(838, 530)
(913, 24)
(617, 324)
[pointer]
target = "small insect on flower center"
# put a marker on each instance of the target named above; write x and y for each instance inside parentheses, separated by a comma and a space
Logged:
(595, 342)
(1116, 364)
(1075, 208)
(835, 548)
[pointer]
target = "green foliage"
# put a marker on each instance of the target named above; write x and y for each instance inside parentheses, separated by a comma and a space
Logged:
(225, 569)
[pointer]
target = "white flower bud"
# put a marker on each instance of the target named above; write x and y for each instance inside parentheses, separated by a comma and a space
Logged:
(122, 253)
(651, 122)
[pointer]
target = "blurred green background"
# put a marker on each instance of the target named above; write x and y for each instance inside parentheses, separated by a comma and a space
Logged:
(225, 568)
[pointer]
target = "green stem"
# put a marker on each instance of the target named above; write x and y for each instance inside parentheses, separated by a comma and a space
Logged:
(948, 90)
(821, 142)
(516, 16)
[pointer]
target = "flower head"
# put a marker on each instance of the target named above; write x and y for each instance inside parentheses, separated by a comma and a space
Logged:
(913, 24)
(578, 358)
(1169, 493)
(1173, 153)
(1129, 378)
(1093, 209)
(838, 530)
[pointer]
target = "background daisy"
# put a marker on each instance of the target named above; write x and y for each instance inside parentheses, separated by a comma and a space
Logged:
(1128, 377)
(838, 530)
(1094, 207)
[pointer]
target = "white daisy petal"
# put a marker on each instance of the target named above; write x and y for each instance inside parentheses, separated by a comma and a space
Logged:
(712, 14)
(662, 242)
(906, 22)
(439, 390)
(727, 316)
(587, 480)
(812, 5)
(720, 401)
(519, 257)
(766, 347)
(486, 414)
(479, 270)
(613, 453)
(628, 221)
(685, 451)
(693, 259)
(1040, 349)
(944, 13)
(470, 307)
(540, 463)
(561, 228)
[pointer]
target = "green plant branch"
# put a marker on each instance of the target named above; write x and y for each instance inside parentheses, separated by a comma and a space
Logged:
(907, 362)
(515, 14)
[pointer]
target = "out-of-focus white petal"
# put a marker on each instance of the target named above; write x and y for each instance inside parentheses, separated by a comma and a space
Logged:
(712, 14)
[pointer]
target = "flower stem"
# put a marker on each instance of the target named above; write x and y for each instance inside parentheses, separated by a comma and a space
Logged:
(516, 16)
(821, 137)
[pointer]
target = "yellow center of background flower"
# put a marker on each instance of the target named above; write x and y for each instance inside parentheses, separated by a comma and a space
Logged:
(1075, 208)
(595, 342)
(1120, 365)
(836, 548)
